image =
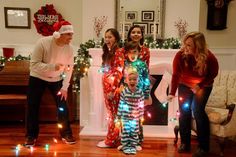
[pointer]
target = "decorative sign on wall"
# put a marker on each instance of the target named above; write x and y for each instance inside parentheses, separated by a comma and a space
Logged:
(217, 14)
(44, 19)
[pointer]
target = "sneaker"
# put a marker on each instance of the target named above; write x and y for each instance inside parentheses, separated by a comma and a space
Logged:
(102, 144)
(69, 139)
(200, 153)
(183, 148)
(138, 148)
(30, 141)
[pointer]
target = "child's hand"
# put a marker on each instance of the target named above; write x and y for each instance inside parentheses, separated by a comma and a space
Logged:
(195, 89)
(141, 120)
(117, 123)
(148, 101)
(110, 96)
(170, 97)
(121, 88)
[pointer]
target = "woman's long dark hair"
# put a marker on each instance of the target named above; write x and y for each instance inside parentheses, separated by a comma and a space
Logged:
(130, 30)
(108, 54)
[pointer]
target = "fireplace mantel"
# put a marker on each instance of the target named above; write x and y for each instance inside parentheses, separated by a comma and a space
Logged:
(92, 108)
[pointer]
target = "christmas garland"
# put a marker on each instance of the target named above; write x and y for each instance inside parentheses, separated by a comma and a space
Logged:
(14, 58)
(169, 43)
(82, 63)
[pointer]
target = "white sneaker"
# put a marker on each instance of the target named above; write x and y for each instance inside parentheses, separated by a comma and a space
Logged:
(120, 147)
(138, 148)
(102, 144)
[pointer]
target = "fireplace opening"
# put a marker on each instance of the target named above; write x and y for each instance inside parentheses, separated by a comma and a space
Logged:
(156, 113)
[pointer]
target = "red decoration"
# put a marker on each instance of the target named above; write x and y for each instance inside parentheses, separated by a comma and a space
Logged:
(8, 52)
(45, 17)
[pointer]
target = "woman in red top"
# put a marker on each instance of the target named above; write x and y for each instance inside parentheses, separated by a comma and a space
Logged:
(113, 64)
(194, 70)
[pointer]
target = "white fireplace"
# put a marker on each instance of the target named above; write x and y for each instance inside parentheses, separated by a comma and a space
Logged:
(92, 108)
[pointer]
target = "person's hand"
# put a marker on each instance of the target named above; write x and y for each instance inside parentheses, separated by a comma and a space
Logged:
(121, 88)
(170, 98)
(195, 89)
(110, 96)
(148, 101)
(63, 94)
(59, 67)
(117, 123)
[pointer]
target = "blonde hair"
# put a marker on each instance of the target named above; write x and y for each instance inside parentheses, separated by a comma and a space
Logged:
(201, 50)
(130, 70)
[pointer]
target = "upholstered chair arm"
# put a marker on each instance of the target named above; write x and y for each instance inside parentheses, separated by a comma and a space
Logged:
(231, 108)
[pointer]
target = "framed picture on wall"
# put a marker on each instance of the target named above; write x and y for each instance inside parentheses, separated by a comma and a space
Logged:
(17, 17)
(127, 27)
(148, 16)
(151, 28)
(131, 16)
(143, 25)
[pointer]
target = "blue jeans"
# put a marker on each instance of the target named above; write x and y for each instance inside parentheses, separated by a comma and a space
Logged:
(195, 103)
(35, 93)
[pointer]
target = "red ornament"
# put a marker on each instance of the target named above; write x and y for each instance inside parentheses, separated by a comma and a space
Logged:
(44, 19)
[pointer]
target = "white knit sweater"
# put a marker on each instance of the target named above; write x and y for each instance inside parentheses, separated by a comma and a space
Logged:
(44, 57)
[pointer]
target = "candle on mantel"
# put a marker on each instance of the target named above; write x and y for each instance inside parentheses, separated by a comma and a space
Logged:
(154, 30)
(123, 24)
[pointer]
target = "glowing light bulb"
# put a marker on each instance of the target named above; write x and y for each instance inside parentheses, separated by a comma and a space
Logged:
(180, 98)
(59, 93)
(61, 109)
(18, 147)
(164, 104)
(31, 149)
(54, 140)
(46, 147)
(149, 115)
(177, 113)
(59, 126)
(63, 75)
(100, 70)
(112, 79)
(186, 105)
(142, 120)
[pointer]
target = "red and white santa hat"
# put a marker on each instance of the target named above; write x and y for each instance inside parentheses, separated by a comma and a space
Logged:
(62, 27)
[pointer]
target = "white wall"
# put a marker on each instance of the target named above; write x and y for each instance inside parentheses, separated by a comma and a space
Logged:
(187, 10)
(96, 8)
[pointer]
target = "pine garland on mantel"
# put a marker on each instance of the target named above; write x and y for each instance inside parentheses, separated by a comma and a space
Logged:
(14, 58)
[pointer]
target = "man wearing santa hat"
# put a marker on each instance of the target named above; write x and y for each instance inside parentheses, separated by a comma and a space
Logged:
(51, 67)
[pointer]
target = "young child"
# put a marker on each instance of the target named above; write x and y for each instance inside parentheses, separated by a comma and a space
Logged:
(130, 112)
(132, 50)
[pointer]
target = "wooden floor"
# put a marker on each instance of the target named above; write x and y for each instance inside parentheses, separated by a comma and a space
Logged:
(13, 134)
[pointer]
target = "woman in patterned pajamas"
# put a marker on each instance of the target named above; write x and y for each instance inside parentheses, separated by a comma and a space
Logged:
(113, 64)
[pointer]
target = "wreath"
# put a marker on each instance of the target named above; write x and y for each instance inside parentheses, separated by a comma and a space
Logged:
(44, 19)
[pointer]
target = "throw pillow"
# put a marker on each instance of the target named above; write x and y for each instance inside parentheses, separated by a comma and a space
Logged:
(218, 97)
